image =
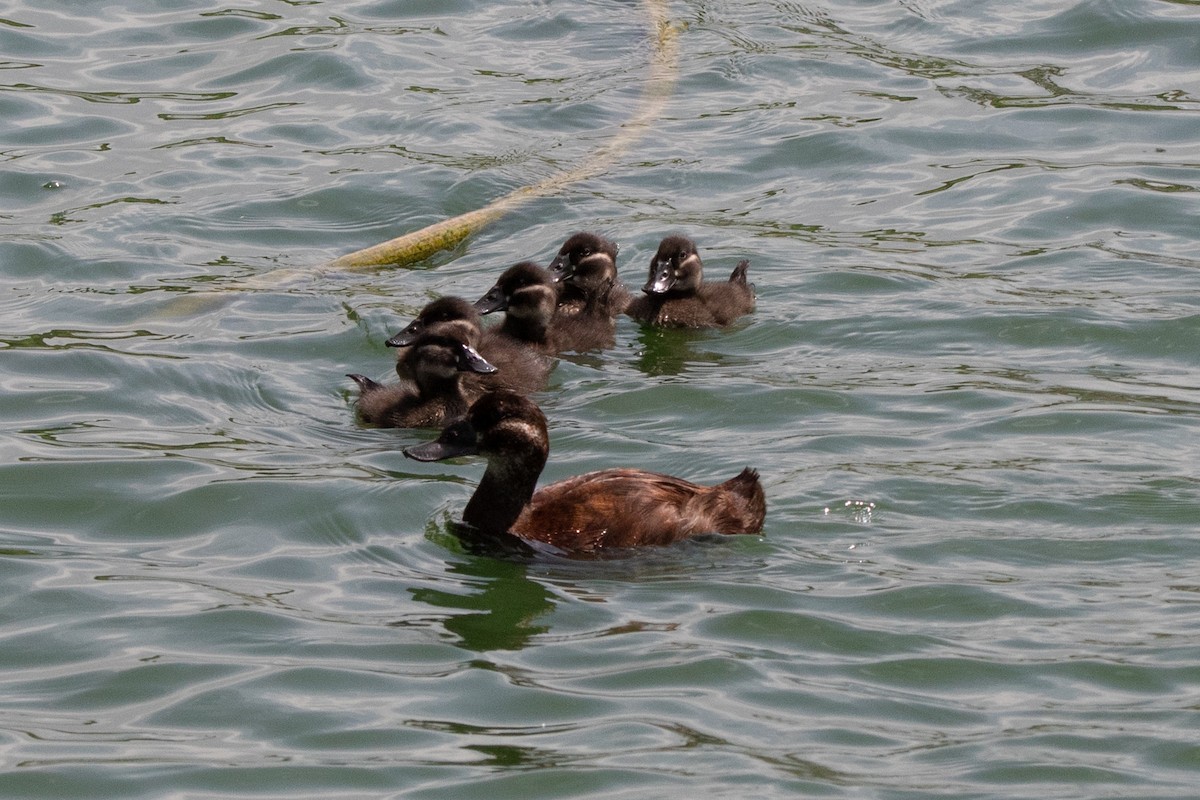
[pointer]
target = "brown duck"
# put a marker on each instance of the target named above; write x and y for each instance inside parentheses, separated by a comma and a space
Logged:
(610, 508)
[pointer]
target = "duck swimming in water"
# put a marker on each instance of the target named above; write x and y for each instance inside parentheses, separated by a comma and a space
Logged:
(436, 394)
(518, 367)
(677, 297)
(610, 508)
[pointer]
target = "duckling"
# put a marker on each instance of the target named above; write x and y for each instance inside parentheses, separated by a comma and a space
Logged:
(675, 295)
(588, 513)
(436, 360)
(517, 367)
(443, 309)
(527, 295)
(586, 266)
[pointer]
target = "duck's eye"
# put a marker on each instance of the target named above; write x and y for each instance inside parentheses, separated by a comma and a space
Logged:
(587, 251)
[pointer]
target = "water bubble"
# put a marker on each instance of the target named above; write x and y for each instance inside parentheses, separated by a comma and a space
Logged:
(859, 511)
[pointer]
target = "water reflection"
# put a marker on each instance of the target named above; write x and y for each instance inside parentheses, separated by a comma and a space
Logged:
(669, 351)
(501, 615)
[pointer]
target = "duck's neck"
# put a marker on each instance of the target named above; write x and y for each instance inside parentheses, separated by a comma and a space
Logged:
(504, 491)
(572, 293)
(657, 301)
(527, 329)
(432, 386)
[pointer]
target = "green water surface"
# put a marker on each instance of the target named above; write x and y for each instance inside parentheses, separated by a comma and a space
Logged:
(971, 388)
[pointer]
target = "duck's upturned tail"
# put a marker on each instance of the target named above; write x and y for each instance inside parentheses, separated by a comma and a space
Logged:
(748, 509)
(365, 384)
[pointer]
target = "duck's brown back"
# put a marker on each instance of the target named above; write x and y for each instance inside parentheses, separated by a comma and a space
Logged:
(631, 507)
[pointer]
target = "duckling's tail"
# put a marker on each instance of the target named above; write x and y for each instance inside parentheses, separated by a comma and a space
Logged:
(365, 384)
(739, 272)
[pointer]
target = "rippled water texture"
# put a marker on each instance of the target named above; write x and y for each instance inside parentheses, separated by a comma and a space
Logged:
(970, 386)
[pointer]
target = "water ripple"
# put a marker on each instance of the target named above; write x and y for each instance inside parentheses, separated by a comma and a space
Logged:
(969, 388)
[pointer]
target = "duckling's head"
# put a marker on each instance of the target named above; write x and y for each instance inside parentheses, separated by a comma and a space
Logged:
(586, 261)
(441, 352)
(675, 268)
(521, 287)
(444, 309)
(505, 427)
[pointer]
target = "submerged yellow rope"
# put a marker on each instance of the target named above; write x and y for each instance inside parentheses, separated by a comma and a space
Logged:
(419, 245)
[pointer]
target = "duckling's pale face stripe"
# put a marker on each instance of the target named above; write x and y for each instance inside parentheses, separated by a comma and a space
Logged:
(532, 302)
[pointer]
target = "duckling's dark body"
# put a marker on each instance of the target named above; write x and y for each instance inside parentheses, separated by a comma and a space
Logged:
(610, 508)
(676, 295)
(518, 367)
(436, 394)
(583, 331)
(401, 405)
